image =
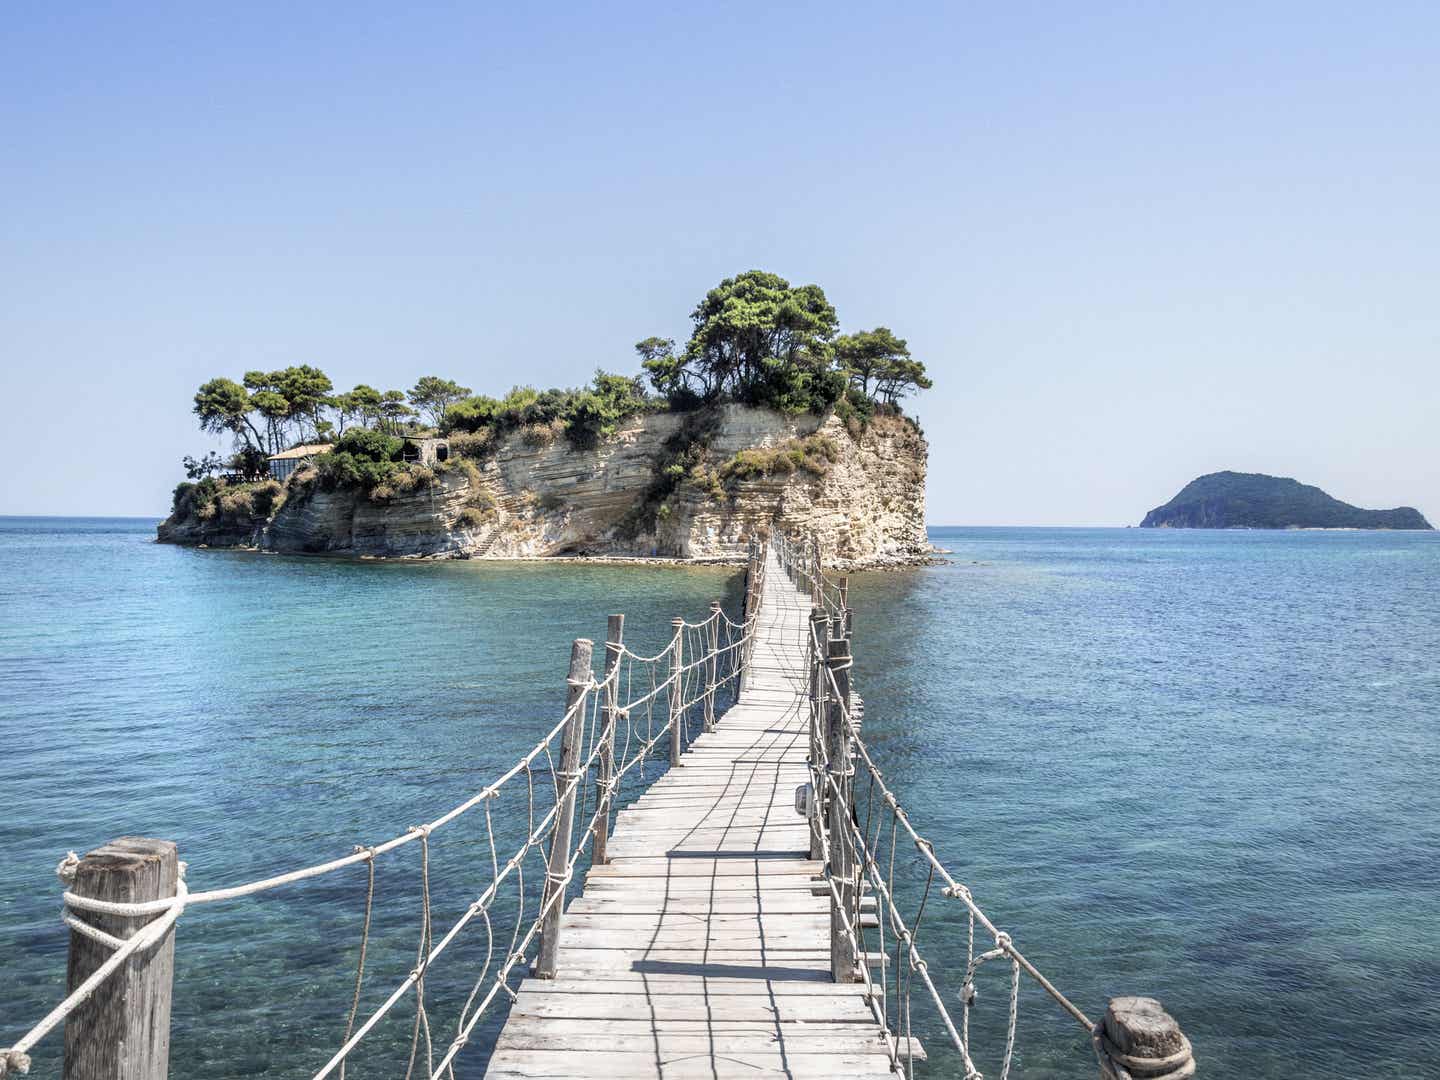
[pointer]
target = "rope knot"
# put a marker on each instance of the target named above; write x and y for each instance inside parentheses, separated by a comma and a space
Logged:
(968, 993)
(423, 830)
(1002, 941)
(65, 871)
(14, 1060)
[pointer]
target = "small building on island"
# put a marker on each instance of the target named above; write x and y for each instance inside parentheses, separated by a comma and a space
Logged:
(424, 449)
(287, 461)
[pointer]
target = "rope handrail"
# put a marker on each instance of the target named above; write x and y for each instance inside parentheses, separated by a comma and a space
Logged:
(833, 782)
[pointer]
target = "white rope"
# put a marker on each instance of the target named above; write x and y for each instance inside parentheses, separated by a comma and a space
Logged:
(835, 786)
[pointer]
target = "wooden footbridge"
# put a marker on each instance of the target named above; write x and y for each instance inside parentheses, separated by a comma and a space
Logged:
(701, 948)
(740, 914)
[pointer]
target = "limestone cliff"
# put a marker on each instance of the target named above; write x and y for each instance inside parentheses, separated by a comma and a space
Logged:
(533, 495)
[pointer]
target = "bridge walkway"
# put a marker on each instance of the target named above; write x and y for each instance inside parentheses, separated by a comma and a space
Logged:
(702, 949)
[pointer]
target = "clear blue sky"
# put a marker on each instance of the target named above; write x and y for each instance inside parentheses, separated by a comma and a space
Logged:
(1133, 242)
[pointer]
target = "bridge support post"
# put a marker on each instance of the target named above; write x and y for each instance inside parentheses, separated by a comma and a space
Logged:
(817, 580)
(819, 639)
(752, 605)
(844, 961)
(123, 1030)
(614, 635)
(1139, 1040)
(847, 628)
(677, 689)
(568, 774)
(711, 663)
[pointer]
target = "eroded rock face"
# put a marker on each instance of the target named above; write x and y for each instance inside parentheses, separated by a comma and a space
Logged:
(552, 499)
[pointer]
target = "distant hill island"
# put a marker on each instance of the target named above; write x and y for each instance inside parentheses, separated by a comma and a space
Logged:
(1233, 500)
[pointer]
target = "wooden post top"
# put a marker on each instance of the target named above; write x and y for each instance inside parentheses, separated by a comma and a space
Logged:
(1144, 1040)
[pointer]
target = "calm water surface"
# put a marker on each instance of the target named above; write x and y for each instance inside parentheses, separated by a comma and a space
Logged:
(1199, 765)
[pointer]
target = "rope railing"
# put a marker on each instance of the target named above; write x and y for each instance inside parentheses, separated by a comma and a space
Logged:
(611, 728)
(859, 836)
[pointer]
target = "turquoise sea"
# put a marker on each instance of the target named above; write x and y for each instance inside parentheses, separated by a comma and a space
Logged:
(1199, 765)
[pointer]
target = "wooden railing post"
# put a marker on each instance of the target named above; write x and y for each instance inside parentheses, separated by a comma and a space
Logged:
(819, 686)
(752, 603)
(817, 580)
(1139, 1039)
(677, 688)
(843, 959)
(711, 665)
(848, 632)
(568, 775)
(614, 636)
(123, 1031)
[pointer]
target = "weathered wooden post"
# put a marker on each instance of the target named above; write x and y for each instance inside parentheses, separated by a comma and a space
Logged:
(122, 1032)
(847, 633)
(568, 774)
(819, 687)
(843, 958)
(817, 579)
(711, 665)
(1139, 1039)
(677, 688)
(752, 603)
(614, 635)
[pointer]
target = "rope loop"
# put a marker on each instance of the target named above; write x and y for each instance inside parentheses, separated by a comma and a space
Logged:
(65, 871)
(14, 1060)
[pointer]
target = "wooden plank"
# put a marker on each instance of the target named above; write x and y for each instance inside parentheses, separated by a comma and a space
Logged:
(528, 1064)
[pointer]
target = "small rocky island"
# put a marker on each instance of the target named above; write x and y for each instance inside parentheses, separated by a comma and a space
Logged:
(767, 415)
(1233, 500)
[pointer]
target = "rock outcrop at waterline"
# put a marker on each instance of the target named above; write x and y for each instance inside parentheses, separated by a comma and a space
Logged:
(1231, 500)
(862, 491)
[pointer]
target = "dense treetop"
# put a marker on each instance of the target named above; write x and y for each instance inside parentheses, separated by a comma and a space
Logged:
(757, 339)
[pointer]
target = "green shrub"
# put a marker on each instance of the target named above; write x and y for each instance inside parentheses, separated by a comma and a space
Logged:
(237, 503)
(181, 495)
(369, 445)
(814, 454)
(472, 518)
(472, 445)
(472, 415)
(362, 459)
(411, 477)
(268, 497)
